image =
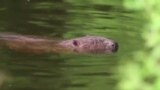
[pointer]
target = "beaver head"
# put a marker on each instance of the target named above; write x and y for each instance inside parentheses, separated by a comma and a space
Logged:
(91, 44)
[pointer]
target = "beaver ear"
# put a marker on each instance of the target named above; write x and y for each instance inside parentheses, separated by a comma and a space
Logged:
(75, 43)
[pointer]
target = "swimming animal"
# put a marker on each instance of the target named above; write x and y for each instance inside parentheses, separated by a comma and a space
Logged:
(34, 44)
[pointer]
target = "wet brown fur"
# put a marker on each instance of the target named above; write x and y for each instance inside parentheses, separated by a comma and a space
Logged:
(30, 44)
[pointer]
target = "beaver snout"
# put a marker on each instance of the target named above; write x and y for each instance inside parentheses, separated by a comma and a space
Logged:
(115, 47)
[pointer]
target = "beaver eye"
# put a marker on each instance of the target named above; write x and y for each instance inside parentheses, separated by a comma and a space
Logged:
(75, 43)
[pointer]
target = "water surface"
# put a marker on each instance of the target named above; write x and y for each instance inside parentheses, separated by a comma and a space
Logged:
(67, 19)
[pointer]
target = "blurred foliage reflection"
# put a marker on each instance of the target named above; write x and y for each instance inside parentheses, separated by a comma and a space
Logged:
(69, 19)
(142, 73)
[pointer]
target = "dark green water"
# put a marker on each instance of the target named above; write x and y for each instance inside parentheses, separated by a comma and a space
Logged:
(67, 19)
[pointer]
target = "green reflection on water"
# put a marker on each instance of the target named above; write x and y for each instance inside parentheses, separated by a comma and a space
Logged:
(67, 19)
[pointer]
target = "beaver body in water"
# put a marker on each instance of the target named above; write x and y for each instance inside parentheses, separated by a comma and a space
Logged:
(32, 44)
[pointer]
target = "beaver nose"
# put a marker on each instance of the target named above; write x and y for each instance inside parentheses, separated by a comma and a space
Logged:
(115, 47)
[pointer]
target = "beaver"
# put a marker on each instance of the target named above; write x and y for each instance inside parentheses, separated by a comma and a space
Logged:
(33, 44)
